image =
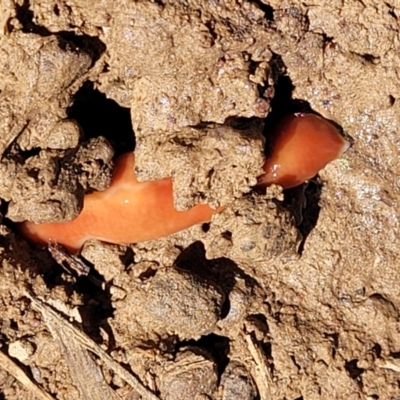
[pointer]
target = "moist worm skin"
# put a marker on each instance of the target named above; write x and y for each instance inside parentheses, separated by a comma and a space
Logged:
(302, 144)
(130, 211)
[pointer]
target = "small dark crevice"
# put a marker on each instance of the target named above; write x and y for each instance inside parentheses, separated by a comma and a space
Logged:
(225, 308)
(298, 366)
(277, 70)
(305, 19)
(13, 325)
(392, 100)
(266, 8)
(370, 58)
(99, 116)
(377, 350)
(91, 45)
(334, 337)
(221, 272)
(395, 354)
(166, 345)
(303, 201)
(327, 38)
(259, 321)
(267, 349)
(218, 347)
(205, 227)
(25, 16)
(328, 41)
(253, 65)
(128, 258)
(391, 12)
(211, 30)
(352, 369)
(277, 316)
(161, 3)
(33, 173)
(227, 235)
(147, 274)
(15, 153)
(3, 210)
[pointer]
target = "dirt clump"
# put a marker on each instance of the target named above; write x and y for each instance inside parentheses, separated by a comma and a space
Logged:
(253, 227)
(203, 163)
(38, 69)
(191, 375)
(237, 382)
(171, 303)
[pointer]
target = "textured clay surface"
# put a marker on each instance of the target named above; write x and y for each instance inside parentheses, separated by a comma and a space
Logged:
(283, 295)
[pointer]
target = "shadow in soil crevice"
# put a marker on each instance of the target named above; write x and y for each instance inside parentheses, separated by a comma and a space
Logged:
(100, 116)
(91, 45)
(219, 272)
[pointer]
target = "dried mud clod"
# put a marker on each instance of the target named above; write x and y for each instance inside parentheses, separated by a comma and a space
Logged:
(35, 195)
(255, 228)
(172, 302)
(206, 73)
(192, 374)
(237, 382)
(46, 71)
(36, 70)
(50, 186)
(188, 66)
(203, 163)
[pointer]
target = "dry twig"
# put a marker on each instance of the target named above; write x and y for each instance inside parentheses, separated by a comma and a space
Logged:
(52, 319)
(260, 372)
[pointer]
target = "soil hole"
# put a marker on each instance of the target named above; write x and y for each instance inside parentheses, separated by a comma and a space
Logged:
(260, 321)
(99, 116)
(227, 235)
(217, 346)
(377, 349)
(25, 17)
(128, 258)
(268, 10)
(352, 369)
(205, 227)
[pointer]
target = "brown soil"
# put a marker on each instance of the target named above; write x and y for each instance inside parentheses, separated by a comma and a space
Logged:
(288, 296)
